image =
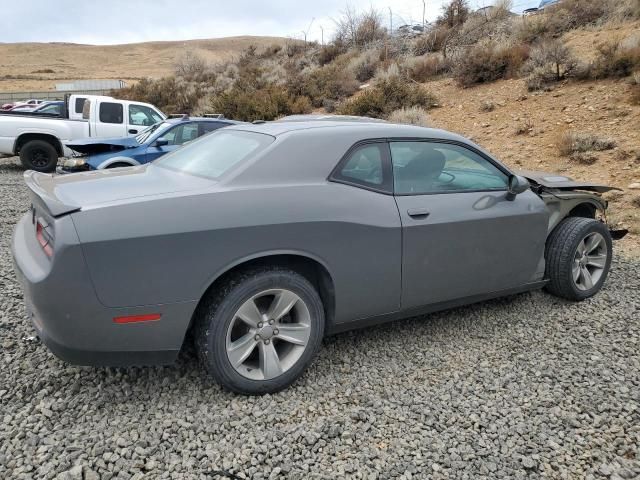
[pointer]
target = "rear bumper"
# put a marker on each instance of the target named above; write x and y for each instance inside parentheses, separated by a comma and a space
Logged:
(70, 320)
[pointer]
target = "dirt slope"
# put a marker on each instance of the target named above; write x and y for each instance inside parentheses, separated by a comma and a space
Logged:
(601, 108)
(125, 62)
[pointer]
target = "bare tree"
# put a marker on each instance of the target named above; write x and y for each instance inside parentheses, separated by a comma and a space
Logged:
(454, 13)
(359, 29)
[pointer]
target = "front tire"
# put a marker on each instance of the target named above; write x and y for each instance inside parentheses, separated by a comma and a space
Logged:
(260, 331)
(578, 257)
(39, 155)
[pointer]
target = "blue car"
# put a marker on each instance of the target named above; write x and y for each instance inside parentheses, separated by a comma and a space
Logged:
(152, 143)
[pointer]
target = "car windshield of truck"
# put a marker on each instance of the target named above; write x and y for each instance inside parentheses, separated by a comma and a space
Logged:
(144, 135)
(213, 155)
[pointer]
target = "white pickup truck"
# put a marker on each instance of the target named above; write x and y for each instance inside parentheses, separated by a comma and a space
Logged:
(40, 140)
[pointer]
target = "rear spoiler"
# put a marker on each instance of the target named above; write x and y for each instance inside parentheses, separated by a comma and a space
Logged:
(42, 193)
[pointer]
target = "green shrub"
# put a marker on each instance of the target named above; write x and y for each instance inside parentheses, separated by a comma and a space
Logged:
(170, 94)
(411, 116)
(248, 104)
(550, 61)
(387, 95)
(425, 68)
(488, 62)
(333, 81)
(364, 65)
(616, 59)
(572, 143)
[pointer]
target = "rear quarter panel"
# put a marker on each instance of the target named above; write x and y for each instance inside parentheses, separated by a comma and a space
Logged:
(171, 249)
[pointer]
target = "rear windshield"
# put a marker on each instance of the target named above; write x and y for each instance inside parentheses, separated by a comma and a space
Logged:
(213, 155)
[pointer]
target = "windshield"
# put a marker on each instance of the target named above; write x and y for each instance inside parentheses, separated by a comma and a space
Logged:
(213, 155)
(142, 136)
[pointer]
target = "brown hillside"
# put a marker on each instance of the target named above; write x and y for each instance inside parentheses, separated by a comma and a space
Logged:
(19, 61)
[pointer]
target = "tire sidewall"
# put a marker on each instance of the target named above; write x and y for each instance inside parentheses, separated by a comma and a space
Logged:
(26, 153)
(591, 227)
(218, 321)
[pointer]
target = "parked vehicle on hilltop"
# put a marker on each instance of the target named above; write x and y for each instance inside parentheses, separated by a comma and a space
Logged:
(39, 139)
(259, 239)
(152, 143)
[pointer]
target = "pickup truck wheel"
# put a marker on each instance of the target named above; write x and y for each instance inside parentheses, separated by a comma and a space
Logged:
(578, 257)
(259, 331)
(39, 155)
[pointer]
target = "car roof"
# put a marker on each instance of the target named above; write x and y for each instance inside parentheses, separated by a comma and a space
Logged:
(359, 128)
(201, 119)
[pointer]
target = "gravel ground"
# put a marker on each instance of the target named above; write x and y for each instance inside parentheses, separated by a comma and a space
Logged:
(524, 387)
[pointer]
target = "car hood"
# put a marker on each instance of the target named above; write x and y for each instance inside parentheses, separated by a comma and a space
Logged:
(101, 145)
(562, 182)
(78, 191)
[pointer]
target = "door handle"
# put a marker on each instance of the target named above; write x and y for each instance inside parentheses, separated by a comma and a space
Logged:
(133, 130)
(418, 213)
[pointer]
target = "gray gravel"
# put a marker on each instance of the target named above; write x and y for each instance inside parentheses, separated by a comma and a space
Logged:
(524, 387)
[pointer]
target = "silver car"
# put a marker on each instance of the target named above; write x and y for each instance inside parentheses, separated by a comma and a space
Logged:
(258, 240)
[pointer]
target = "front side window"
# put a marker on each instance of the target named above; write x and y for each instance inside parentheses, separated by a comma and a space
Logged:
(111, 112)
(213, 155)
(430, 167)
(143, 116)
(181, 134)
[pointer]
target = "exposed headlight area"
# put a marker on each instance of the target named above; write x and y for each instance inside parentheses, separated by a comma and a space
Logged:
(75, 164)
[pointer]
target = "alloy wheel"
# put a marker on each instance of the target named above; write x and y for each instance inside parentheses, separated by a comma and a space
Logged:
(589, 261)
(268, 334)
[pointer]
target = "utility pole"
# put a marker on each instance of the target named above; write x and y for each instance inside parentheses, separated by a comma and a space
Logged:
(321, 35)
(424, 8)
(390, 22)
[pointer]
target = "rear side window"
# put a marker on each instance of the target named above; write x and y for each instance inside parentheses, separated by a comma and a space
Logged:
(366, 165)
(210, 126)
(111, 112)
(214, 155)
(79, 104)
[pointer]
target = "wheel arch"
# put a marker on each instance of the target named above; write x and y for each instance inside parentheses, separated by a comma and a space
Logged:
(24, 138)
(585, 206)
(110, 161)
(311, 267)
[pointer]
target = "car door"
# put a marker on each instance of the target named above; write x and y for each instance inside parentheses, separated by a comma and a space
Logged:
(463, 234)
(110, 119)
(368, 273)
(175, 137)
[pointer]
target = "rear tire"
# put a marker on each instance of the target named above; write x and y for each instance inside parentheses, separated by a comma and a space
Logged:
(578, 257)
(259, 331)
(39, 155)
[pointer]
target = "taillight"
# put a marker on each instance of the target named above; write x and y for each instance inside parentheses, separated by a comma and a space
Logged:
(44, 238)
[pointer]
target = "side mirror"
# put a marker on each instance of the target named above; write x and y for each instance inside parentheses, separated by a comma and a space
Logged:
(161, 142)
(517, 185)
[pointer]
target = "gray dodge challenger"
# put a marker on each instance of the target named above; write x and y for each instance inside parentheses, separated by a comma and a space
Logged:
(257, 240)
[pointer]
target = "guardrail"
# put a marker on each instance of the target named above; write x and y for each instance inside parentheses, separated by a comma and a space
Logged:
(7, 97)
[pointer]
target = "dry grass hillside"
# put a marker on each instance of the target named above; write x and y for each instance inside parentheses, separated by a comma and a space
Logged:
(38, 66)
